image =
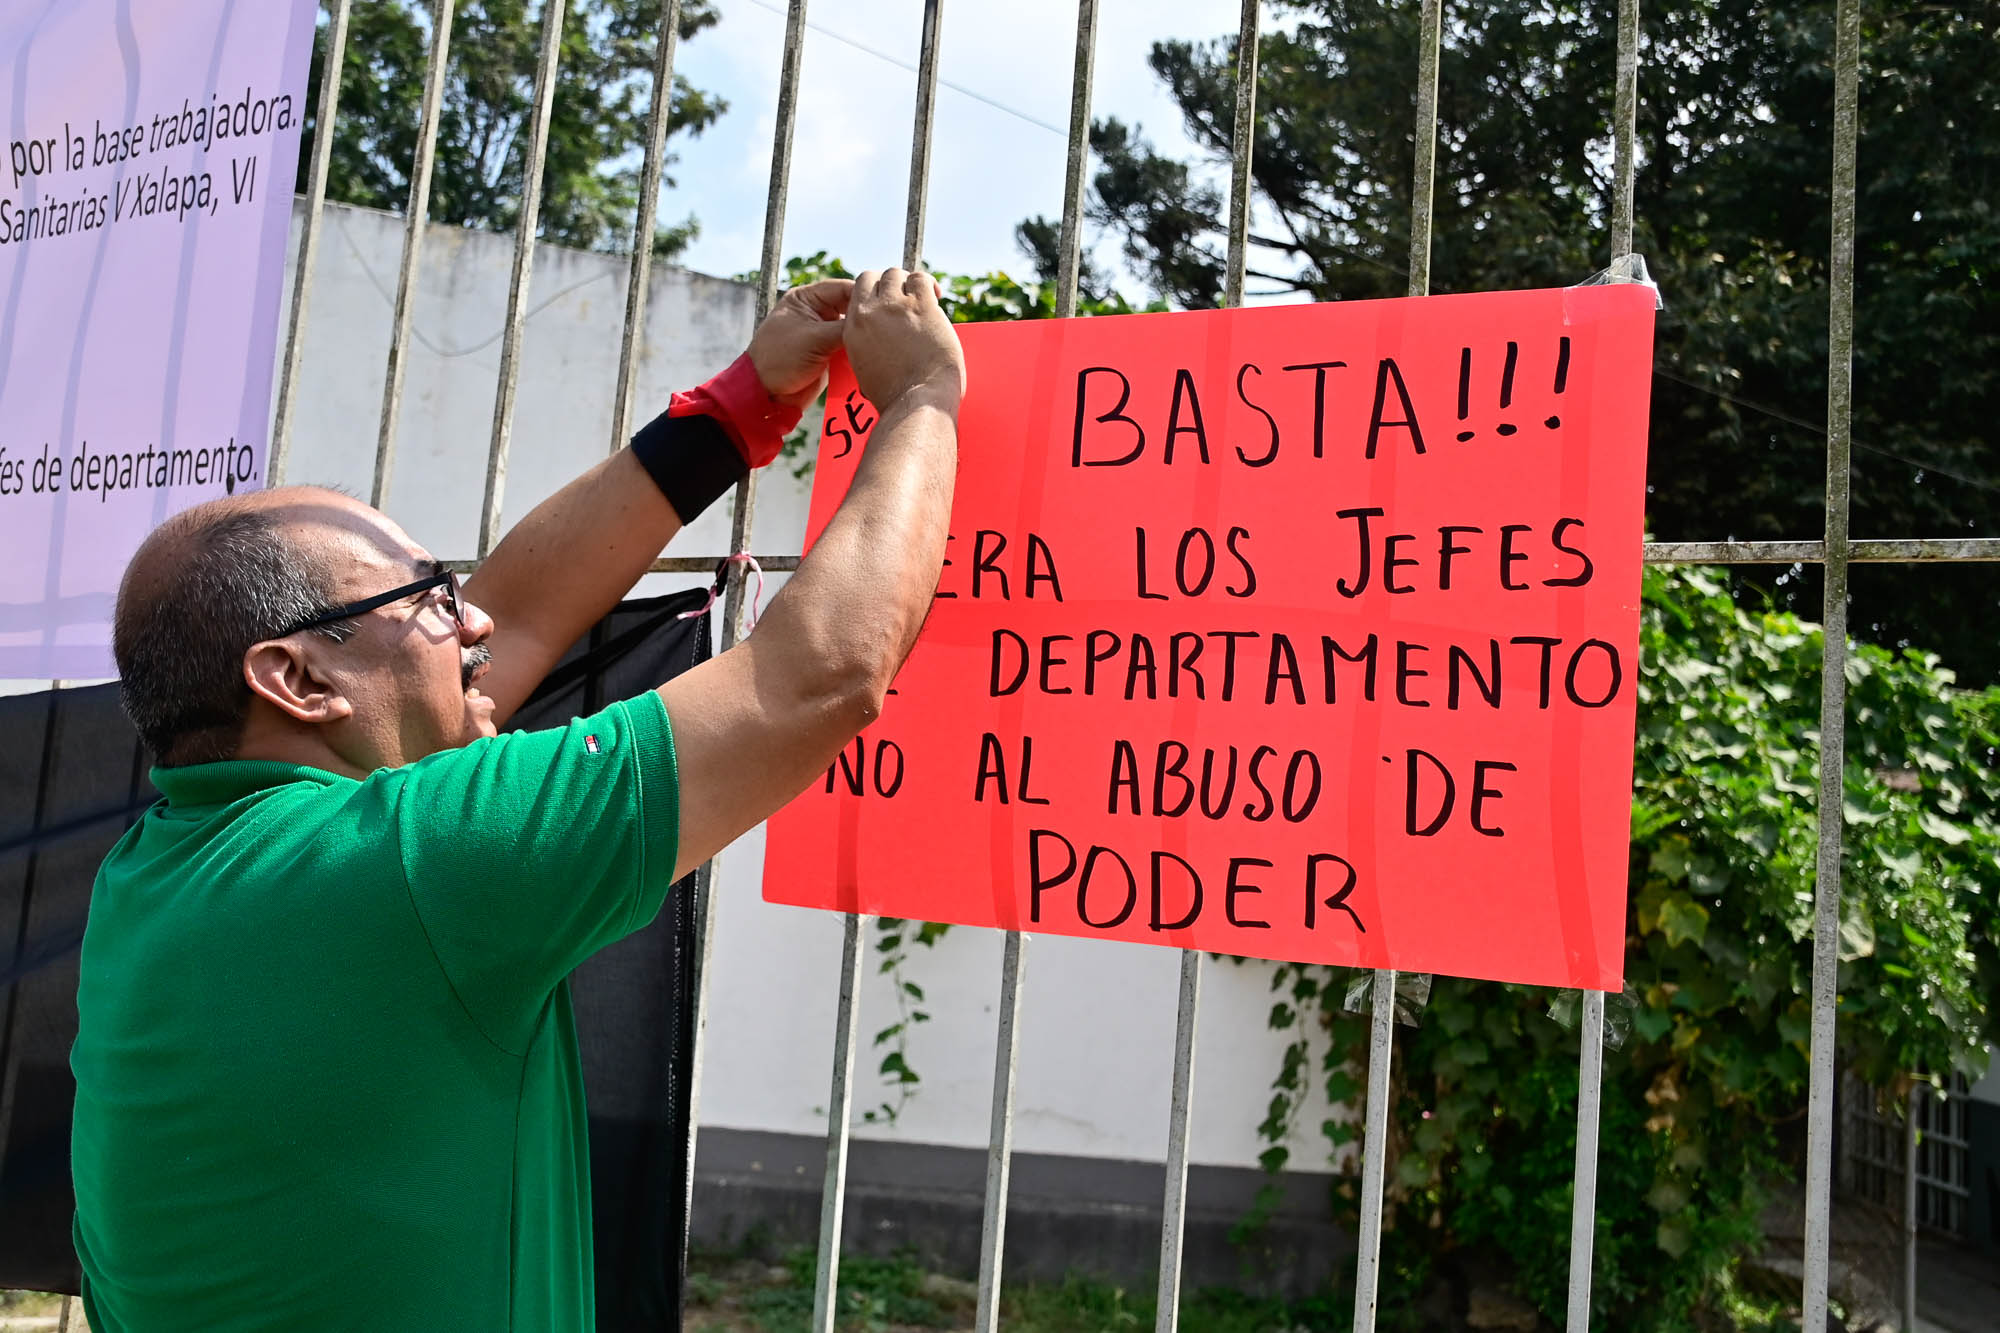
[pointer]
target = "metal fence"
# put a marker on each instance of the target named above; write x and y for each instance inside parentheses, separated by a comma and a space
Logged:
(1836, 551)
(1919, 1149)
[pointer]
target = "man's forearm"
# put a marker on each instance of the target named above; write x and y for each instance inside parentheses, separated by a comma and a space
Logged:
(861, 596)
(563, 567)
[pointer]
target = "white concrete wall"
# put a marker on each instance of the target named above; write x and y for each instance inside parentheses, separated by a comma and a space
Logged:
(1098, 1018)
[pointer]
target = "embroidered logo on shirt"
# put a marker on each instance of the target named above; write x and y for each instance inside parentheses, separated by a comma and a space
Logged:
(590, 744)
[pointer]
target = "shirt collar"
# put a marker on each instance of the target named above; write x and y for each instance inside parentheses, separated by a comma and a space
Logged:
(194, 785)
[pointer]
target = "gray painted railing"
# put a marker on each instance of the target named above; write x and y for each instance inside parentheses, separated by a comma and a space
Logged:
(1835, 550)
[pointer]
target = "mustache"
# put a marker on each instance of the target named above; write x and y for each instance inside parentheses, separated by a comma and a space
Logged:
(474, 660)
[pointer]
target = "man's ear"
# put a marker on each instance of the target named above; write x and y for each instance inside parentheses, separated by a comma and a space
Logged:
(281, 672)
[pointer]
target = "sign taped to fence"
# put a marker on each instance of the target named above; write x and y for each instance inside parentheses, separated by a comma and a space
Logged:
(1302, 632)
(144, 202)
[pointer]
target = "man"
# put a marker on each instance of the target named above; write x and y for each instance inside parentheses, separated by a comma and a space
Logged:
(327, 1075)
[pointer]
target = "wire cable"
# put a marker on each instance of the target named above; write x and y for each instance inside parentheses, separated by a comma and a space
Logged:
(904, 64)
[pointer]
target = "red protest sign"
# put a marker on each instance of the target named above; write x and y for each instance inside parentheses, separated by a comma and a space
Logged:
(1303, 632)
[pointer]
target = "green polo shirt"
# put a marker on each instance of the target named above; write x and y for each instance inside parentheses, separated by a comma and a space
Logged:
(326, 1068)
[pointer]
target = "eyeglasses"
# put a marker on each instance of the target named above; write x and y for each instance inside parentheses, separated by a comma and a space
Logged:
(454, 599)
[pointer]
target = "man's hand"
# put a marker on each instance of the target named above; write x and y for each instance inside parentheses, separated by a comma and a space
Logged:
(900, 341)
(792, 346)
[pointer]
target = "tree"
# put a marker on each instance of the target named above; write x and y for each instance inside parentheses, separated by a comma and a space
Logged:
(1732, 205)
(1704, 1094)
(597, 124)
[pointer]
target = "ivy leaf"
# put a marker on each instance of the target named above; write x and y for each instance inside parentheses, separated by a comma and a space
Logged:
(914, 991)
(1952, 835)
(1652, 1024)
(1857, 929)
(1904, 865)
(1667, 1195)
(893, 1065)
(1683, 919)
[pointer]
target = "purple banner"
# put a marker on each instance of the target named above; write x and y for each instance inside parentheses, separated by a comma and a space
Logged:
(145, 199)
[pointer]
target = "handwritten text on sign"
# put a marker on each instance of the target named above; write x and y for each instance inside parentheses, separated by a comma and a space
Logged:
(1304, 632)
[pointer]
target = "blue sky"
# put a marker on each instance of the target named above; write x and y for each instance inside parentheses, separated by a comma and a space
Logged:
(850, 166)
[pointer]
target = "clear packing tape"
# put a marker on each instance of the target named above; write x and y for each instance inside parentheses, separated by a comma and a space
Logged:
(1626, 268)
(1413, 992)
(1619, 1006)
(1413, 995)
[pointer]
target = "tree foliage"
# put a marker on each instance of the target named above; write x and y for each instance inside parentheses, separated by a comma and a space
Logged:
(1703, 1097)
(1732, 208)
(975, 298)
(597, 124)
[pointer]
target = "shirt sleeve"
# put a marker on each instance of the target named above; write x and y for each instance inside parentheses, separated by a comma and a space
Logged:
(526, 853)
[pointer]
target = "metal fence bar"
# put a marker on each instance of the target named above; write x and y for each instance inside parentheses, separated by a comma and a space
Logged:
(1070, 246)
(1381, 1042)
(746, 489)
(1590, 1056)
(1423, 178)
(833, 1199)
(676, 564)
(1625, 121)
(920, 136)
(1910, 1208)
(415, 217)
(1172, 1223)
(767, 290)
(1013, 954)
(1243, 141)
(1173, 1213)
(657, 118)
(1833, 676)
(302, 272)
(532, 168)
(1914, 551)
(1374, 1151)
(839, 1107)
(1583, 1198)
(1000, 1137)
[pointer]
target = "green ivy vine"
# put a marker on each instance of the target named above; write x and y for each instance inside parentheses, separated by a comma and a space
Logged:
(1704, 1096)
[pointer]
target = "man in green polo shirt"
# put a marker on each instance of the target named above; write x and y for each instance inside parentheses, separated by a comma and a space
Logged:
(327, 1075)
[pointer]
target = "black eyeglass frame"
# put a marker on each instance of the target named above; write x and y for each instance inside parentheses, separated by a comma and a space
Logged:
(446, 579)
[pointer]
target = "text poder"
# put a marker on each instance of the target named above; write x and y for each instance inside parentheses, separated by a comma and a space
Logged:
(1305, 632)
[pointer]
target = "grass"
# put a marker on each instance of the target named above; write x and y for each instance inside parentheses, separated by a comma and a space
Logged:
(729, 1294)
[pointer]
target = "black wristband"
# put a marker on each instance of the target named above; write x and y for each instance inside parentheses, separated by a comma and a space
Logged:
(691, 460)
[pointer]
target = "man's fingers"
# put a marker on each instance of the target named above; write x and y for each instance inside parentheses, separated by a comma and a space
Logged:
(824, 336)
(828, 298)
(890, 282)
(922, 286)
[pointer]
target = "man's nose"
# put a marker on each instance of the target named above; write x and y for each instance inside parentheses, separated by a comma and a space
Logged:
(476, 627)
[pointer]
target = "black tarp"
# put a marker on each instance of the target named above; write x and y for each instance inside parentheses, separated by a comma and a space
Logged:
(73, 778)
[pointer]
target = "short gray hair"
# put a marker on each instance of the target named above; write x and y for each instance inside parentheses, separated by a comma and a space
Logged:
(202, 589)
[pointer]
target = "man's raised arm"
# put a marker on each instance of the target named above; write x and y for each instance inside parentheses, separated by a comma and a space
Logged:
(755, 725)
(563, 567)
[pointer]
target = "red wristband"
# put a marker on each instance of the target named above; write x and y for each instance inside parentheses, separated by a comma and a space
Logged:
(736, 399)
